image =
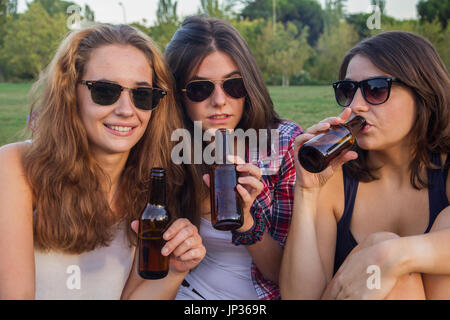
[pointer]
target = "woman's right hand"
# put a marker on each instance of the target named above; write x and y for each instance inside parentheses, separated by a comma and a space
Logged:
(310, 181)
(183, 244)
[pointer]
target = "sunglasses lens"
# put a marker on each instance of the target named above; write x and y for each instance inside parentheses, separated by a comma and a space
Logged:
(376, 91)
(199, 90)
(344, 92)
(142, 98)
(235, 88)
(105, 94)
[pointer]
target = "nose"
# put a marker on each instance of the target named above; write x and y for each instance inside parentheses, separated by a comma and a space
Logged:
(218, 97)
(359, 104)
(124, 106)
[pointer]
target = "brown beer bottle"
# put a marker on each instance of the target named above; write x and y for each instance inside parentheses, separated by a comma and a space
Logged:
(316, 154)
(226, 203)
(153, 223)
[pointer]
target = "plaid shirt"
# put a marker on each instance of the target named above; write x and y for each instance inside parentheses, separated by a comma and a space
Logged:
(276, 200)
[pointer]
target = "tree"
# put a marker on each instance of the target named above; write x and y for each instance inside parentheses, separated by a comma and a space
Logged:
(54, 7)
(331, 49)
(429, 10)
(299, 12)
(334, 13)
(30, 42)
(282, 53)
(167, 22)
(359, 22)
(380, 3)
(89, 15)
(220, 9)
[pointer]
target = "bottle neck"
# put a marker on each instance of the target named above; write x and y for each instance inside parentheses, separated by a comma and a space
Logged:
(356, 124)
(223, 145)
(158, 191)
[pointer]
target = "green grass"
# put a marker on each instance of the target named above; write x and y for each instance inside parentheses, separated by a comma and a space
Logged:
(14, 109)
(304, 105)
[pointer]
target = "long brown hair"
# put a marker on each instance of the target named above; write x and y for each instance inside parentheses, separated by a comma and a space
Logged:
(198, 37)
(72, 211)
(413, 60)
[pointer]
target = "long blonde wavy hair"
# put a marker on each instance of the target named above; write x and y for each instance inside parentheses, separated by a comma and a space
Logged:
(72, 212)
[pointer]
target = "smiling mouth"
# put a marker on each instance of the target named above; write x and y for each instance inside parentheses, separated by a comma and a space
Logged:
(119, 128)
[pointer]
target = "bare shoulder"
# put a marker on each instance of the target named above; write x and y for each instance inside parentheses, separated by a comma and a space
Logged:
(11, 168)
(332, 194)
(11, 157)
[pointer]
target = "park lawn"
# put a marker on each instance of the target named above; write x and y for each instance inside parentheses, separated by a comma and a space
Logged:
(14, 109)
(305, 105)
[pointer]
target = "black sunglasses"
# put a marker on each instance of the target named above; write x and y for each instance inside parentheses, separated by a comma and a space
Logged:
(199, 90)
(374, 90)
(106, 93)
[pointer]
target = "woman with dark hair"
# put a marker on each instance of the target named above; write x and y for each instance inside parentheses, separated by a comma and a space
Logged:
(378, 226)
(219, 85)
(103, 111)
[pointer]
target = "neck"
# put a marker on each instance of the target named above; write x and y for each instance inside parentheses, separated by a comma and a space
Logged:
(112, 165)
(393, 162)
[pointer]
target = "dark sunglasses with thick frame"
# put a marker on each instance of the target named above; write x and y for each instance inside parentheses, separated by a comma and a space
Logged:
(199, 90)
(106, 93)
(374, 90)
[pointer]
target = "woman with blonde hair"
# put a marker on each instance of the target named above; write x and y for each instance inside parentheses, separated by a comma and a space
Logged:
(104, 114)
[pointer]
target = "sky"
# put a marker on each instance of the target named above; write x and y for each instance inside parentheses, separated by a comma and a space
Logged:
(110, 11)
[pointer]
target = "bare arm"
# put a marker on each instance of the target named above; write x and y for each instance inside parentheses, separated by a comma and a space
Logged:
(17, 274)
(308, 259)
(302, 274)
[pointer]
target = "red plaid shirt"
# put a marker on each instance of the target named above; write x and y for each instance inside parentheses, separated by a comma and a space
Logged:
(276, 201)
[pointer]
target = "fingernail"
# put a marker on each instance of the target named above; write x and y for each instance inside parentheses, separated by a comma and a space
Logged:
(164, 251)
(166, 235)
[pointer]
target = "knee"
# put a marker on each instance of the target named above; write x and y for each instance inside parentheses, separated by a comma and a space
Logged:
(442, 221)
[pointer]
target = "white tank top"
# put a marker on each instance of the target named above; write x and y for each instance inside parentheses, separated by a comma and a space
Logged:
(224, 273)
(98, 274)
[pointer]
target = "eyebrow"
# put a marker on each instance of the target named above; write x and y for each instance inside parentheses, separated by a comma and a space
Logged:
(226, 76)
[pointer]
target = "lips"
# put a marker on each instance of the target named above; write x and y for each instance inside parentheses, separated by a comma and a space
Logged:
(366, 128)
(120, 129)
(219, 116)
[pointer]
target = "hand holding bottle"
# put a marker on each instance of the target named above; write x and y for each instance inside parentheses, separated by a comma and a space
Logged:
(183, 245)
(249, 187)
(309, 180)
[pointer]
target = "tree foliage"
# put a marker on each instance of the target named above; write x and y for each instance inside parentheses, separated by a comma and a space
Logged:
(30, 42)
(282, 54)
(429, 10)
(307, 43)
(301, 13)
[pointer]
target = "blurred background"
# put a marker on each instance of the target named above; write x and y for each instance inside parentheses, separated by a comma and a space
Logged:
(298, 44)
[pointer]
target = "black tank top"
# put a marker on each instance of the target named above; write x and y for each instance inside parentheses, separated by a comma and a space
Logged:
(437, 197)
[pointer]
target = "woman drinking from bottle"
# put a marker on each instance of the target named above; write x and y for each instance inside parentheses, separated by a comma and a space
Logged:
(375, 223)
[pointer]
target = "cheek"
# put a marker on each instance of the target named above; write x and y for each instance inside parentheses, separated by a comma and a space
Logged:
(195, 111)
(144, 118)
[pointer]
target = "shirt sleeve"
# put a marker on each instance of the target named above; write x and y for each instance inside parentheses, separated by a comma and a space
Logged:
(283, 187)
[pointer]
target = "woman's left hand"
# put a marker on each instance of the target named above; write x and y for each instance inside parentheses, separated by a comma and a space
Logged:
(249, 187)
(367, 274)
